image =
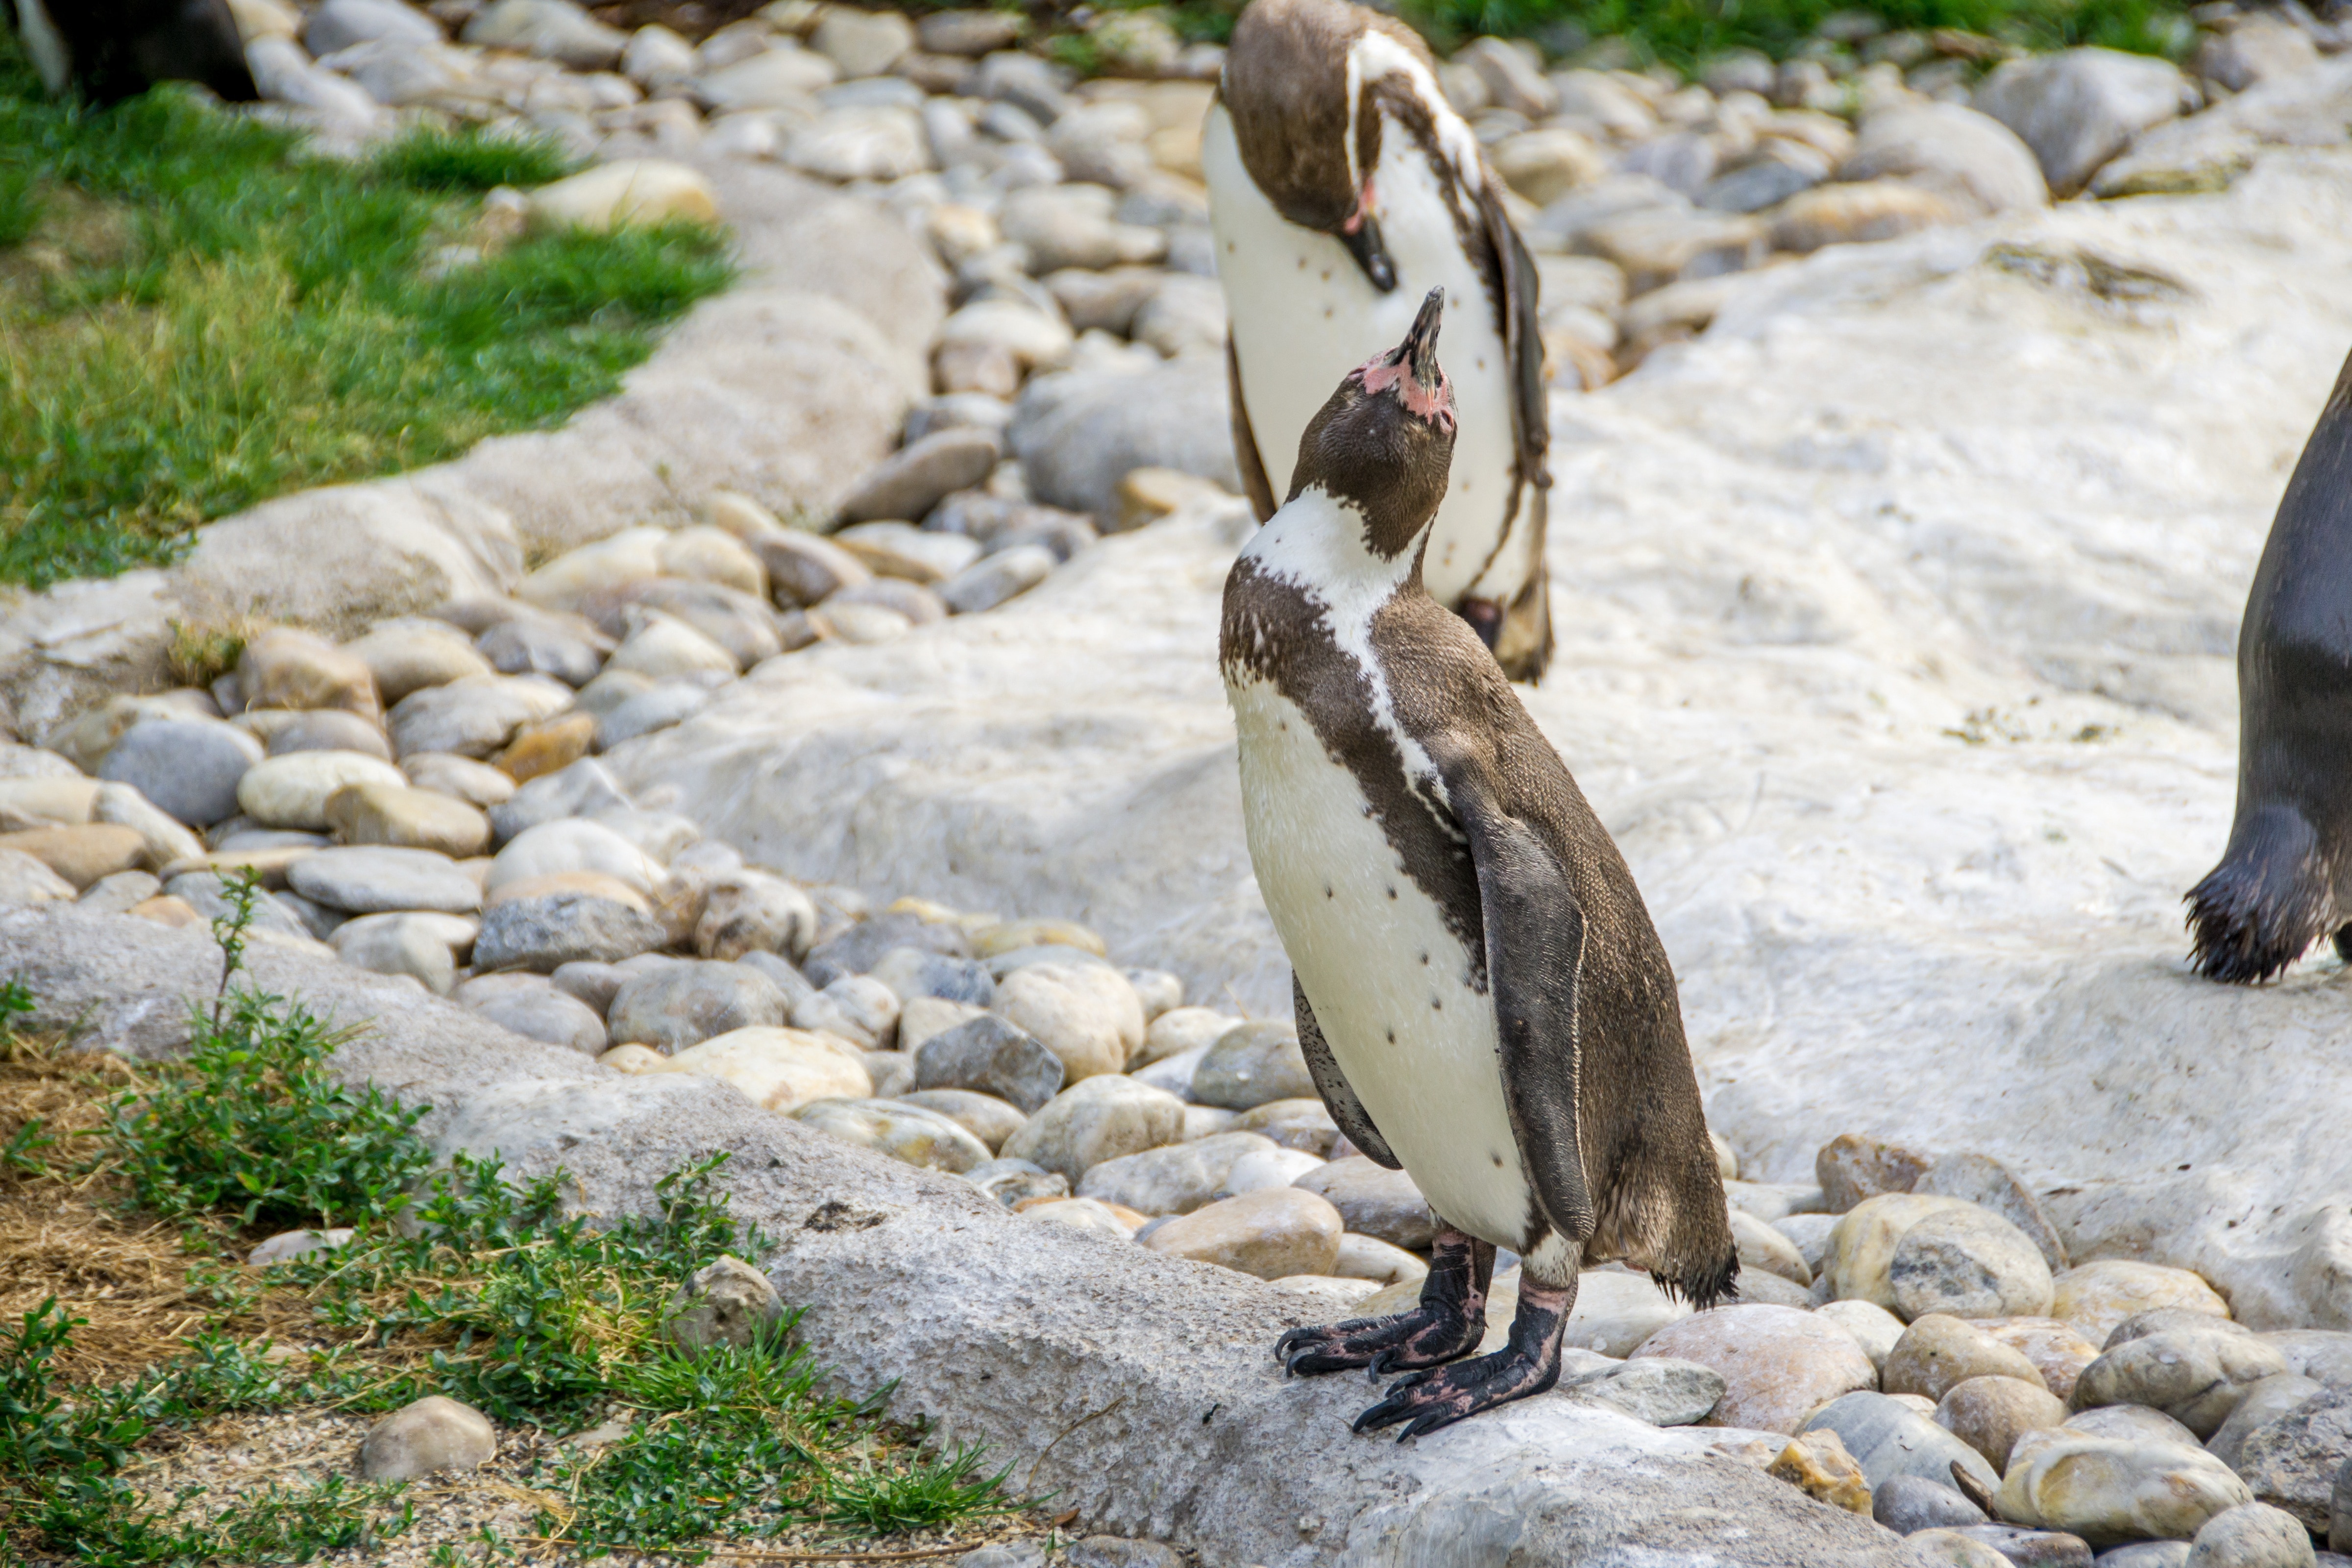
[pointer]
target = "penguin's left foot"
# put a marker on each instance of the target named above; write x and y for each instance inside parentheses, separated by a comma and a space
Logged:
(1449, 1321)
(1426, 1401)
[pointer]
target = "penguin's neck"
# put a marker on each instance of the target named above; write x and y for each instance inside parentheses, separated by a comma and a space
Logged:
(1317, 544)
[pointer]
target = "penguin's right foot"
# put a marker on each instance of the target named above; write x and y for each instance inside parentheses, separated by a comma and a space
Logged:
(1448, 1323)
(1529, 1364)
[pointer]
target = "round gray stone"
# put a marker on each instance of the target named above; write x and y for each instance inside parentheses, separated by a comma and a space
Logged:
(188, 767)
(990, 1056)
(378, 879)
(1251, 1065)
(330, 729)
(546, 932)
(1970, 1263)
(1907, 1504)
(546, 1014)
(684, 1003)
(2253, 1535)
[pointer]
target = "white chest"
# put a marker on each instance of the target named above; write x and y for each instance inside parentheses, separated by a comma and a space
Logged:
(1384, 975)
(1304, 315)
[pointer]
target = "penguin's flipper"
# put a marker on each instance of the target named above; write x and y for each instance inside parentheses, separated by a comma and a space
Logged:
(1535, 961)
(1339, 1099)
(1522, 338)
(1255, 483)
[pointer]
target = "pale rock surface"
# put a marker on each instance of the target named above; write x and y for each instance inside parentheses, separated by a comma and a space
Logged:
(1087, 1016)
(1173, 1180)
(1854, 1166)
(1262, 1169)
(1984, 1181)
(1272, 1234)
(1873, 1328)
(1778, 1364)
(679, 1004)
(189, 767)
(292, 791)
(1970, 1263)
(1990, 1413)
(2107, 1491)
(2265, 1400)
(724, 1303)
(2292, 1462)
(1849, 655)
(1252, 1065)
(2057, 1350)
(1098, 1118)
(163, 841)
(1859, 1258)
(1304, 1124)
(1955, 152)
(913, 1133)
(2078, 108)
(2099, 1297)
(1376, 1201)
(427, 1437)
(2253, 1535)
(412, 945)
(984, 1116)
(991, 1056)
(779, 1070)
(570, 844)
(376, 879)
(1890, 1439)
(549, 1015)
(1939, 1352)
(2197, 1377)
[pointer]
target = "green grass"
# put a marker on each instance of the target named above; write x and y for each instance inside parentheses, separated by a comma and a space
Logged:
(1686, 34)
(485, 1292)
(195, 317)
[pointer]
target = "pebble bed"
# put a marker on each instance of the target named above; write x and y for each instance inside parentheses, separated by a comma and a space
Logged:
(427, 800)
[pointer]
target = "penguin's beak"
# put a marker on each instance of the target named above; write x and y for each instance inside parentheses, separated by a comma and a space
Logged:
(1363, 242)
(1418, 352)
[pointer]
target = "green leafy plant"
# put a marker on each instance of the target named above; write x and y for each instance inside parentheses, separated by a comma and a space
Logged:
(252, 1121)
(488, 1292)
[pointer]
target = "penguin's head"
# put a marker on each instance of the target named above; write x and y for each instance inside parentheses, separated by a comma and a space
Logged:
(1305, 120)
(1383, 443)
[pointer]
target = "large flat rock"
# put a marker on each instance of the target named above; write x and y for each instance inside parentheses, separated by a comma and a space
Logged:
(1896, 617)
(1138, 1389)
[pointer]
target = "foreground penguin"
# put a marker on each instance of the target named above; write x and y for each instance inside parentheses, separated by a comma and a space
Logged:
(2285, 879)
(1342, 187)
(114, 49)
(1481, 997)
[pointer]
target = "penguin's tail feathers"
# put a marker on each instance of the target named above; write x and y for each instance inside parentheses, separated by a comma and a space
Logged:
(2264, 905)
(1703, 1285)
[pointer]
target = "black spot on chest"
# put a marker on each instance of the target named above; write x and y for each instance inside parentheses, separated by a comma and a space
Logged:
(1273, 631)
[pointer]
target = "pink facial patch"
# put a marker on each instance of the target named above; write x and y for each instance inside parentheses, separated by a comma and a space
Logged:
(1434, 404)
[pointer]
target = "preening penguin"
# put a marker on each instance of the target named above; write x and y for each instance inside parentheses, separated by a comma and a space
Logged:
(1481, 997)
(113, 49)
(1342, 188)
(2285, 879)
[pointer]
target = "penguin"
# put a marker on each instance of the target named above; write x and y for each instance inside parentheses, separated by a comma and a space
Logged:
(1481, 998)
(114, 49)
(1342, 187)
(2286, 878)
